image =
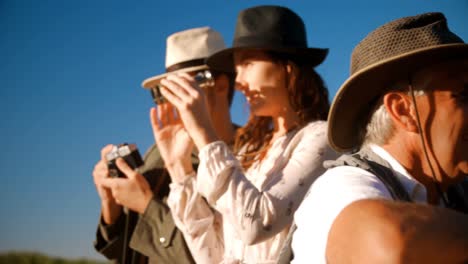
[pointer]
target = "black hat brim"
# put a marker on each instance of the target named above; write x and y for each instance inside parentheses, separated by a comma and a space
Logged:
(224, 61)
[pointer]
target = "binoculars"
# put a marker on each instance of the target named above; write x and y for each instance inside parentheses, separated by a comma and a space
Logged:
(203, 79)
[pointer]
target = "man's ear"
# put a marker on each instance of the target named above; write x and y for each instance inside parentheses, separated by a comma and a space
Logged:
(400, 109)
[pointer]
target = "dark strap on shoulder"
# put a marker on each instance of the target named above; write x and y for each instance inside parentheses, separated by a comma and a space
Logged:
(371, 162)
(387, 177)
(457, 194)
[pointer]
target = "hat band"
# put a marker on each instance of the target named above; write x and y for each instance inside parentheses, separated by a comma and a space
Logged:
(268, 41)
(185, 64)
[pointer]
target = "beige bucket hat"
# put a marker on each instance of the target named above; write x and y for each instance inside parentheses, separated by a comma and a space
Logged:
(187, 50)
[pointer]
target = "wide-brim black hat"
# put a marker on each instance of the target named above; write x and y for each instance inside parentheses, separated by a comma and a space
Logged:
(271, 28)
(388, 54)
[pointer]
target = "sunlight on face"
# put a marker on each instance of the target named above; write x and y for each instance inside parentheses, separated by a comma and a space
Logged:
(263, 82)
(444, 115)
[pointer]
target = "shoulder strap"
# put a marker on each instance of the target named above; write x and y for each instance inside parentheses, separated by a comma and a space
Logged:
(371, 162)
(388, 178)
(382, 172)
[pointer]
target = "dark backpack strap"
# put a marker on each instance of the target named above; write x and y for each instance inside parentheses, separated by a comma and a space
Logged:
(457, 194)
(371, 163)
(383, 173)
(388, 178)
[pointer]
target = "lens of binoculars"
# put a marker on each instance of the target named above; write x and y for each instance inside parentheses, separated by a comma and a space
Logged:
(204, 79)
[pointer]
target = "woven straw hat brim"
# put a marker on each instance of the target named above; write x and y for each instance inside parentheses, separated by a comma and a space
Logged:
(224, 59)
(153, 81)
(355, 99)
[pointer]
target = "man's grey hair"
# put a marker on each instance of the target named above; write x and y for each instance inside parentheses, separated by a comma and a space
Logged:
(380, 126)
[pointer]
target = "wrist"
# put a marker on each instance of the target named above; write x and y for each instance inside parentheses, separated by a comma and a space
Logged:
(145, 203)
(205, 138)
(109, 203)
(110, 212)
(180, 171)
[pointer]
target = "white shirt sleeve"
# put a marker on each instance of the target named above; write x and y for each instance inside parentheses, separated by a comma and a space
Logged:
(329, 195)
(261, 203)
(200, 225)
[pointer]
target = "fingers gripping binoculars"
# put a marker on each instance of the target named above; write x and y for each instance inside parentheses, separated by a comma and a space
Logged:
(203, 79)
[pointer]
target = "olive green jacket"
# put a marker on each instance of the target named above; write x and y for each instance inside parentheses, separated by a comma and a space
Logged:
(151, 237)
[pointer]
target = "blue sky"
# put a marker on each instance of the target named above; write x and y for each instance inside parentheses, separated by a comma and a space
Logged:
(71, 74)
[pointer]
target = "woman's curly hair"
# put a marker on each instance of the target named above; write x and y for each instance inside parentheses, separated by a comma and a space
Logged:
(308, 96)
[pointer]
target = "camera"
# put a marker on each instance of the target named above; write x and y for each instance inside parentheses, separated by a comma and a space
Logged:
(203, 79)
(131, 155)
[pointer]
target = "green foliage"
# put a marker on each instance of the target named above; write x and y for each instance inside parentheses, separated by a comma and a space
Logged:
(37, 258)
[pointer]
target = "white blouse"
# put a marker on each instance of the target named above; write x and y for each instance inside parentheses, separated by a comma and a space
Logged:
(253, 210)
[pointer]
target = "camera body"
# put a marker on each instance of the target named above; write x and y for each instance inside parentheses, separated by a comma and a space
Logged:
(131, 155)
(203, 79)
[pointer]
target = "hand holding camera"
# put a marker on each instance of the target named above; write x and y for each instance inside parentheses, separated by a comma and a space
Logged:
(128, 187)
(101, 172)
(131, 155)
